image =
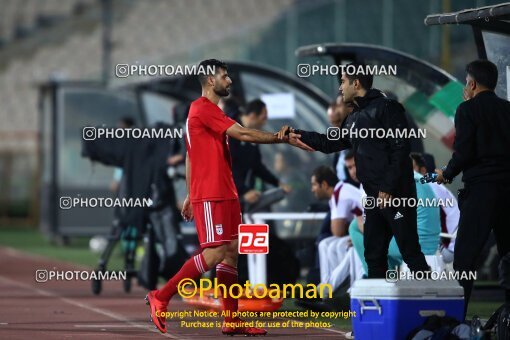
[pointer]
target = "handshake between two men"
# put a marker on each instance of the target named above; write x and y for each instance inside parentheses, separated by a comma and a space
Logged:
(291, 136)
(321, 143)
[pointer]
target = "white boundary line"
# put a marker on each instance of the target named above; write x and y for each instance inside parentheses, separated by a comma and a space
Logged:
(75, 303)
(325, 329)
(334, 331)
(16, 253)
(40, 258)
(102, 326)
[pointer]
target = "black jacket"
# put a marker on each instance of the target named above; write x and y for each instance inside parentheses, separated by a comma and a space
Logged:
(382, 164)
(247, 164)
(144, 170)
(482, 140)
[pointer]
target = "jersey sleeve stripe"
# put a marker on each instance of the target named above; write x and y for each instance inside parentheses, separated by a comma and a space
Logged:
(206, 218)
(210, 222)
(187, 134)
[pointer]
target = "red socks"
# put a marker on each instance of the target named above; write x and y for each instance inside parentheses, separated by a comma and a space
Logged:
(227, 275)
(192, 269)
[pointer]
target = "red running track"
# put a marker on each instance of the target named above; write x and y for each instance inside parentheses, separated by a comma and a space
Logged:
(68, 310)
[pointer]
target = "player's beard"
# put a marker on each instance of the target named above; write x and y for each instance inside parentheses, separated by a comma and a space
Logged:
(224, 92)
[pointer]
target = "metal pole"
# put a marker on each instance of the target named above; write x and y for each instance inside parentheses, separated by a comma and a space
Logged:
(291, 39)
(107, 20)
(445, 40)
(387, 22)
(340, 21)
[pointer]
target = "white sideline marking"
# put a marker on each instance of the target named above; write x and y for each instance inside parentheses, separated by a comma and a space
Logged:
(84, 306)
(325, 329)
(103, 326)
(16, 253)
(39, 258)
(334, 331)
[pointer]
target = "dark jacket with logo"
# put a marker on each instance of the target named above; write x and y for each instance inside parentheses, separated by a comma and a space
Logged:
(482, 140)
(382, 164)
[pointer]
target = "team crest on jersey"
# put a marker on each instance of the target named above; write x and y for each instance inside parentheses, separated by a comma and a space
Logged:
(219, 229)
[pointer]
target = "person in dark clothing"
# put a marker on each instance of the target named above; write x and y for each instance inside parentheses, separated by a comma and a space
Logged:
(482, 154)
(416, 143)
(231, 107)
(246, 157)
(383, 168)
(337, 112)
(144, 165)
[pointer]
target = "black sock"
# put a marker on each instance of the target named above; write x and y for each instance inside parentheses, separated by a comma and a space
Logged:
(507, 296)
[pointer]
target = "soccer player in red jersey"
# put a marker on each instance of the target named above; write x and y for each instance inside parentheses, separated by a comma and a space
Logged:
(212, 196)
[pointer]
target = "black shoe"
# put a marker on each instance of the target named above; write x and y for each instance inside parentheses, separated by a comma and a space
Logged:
(493, 320)
(503, 325)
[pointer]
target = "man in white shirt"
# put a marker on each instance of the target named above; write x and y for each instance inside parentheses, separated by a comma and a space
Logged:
(345, 205)
(351, 265)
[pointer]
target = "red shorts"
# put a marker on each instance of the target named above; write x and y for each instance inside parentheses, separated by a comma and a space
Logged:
(217, 222)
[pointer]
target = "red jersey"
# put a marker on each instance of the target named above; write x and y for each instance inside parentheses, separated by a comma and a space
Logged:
(209, 154)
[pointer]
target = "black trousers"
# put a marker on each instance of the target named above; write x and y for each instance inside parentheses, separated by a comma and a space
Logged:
(483, 207)
(380, 226)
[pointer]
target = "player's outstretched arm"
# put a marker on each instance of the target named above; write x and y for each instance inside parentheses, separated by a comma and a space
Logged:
(252, 136)
(288, 134)
(187, 209)
(312, 141)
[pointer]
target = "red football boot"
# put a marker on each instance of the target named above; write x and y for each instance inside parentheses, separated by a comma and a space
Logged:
(241, 330)
(159, 306)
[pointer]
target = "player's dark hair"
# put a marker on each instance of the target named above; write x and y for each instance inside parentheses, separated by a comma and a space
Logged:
(418, 159)
(206, 65)
(325, 173)
(484, 73)
(349, 154)
(256, 106)
(365, 80)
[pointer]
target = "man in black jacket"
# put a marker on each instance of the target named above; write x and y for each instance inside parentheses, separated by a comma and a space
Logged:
(482, 154)
(246, 157)
(384, 168)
